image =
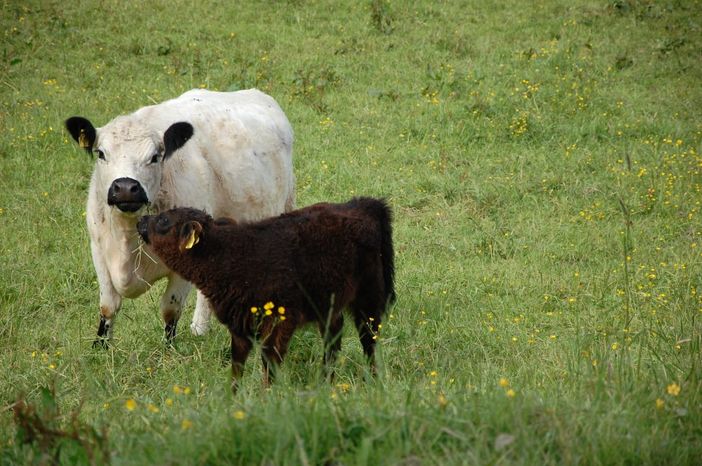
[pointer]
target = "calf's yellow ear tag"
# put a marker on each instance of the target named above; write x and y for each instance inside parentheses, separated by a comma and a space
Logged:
(83, 140)
(192, 241)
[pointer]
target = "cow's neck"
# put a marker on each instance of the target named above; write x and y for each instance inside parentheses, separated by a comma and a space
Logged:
(128, 246)
(123, 227)
(133, 265)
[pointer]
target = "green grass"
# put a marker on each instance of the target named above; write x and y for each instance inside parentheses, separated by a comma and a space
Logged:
(544, 165)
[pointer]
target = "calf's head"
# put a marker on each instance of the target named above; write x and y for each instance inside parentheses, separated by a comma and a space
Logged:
(130, 157)
(174, 231)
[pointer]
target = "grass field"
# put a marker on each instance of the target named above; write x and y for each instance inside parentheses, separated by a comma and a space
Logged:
(544, 163)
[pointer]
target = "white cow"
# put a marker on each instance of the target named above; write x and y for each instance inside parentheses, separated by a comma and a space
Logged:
(228, 153)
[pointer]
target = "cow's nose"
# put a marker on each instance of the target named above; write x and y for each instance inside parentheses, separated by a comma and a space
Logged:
(127, 194)
(125, 186)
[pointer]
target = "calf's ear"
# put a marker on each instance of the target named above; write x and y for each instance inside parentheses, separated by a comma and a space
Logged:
(189, 235)
(175, 136)
(82, 131)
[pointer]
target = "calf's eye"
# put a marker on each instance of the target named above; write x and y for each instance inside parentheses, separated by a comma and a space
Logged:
(154, 159)
(100, 154)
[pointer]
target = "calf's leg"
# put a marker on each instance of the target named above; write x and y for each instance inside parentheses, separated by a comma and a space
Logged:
(331, 334)
(368, 325)
(369, 306)
(274, 348)
(241, 346)
(367, 310)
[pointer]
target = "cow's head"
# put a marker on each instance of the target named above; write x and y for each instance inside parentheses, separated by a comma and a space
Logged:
(130, 157)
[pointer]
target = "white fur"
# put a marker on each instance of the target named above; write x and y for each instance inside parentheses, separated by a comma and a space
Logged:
(238, 164)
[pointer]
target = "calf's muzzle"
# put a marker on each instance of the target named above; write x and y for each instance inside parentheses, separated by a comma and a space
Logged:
(143, 228)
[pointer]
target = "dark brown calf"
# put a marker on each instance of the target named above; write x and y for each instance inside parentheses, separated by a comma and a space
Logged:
(268, 278)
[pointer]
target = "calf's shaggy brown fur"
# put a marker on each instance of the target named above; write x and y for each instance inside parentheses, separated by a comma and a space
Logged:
(268, 278)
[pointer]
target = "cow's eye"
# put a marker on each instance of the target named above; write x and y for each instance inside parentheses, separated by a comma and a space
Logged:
(154, 159)
(100, 154)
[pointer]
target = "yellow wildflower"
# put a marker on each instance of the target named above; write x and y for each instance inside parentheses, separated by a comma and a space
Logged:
(673, 389)
(152, 408)
(130, 404)
(504, 382)
(254, 310)
(269, 305)
(186, 424)
(660, 403)
(281, 310)
(239, 415)
(511, 393)
(344, 387)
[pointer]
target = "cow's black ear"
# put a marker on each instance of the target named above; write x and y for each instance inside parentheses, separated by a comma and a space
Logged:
(175, 136)
(82, 131)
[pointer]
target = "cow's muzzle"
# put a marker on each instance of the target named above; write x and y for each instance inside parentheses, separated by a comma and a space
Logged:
(127, 195)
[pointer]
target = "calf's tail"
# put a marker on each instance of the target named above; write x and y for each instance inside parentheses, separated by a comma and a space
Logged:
(388, 254)
(379, 210)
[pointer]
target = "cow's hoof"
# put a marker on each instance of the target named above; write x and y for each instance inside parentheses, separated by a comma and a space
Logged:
(199, 329)
(100, 343)
(170, 331)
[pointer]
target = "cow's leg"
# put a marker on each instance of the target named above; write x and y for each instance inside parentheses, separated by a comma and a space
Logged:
(201, 317)
(241, 346)
(110, 303)
(172, 303)
(110, 299)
